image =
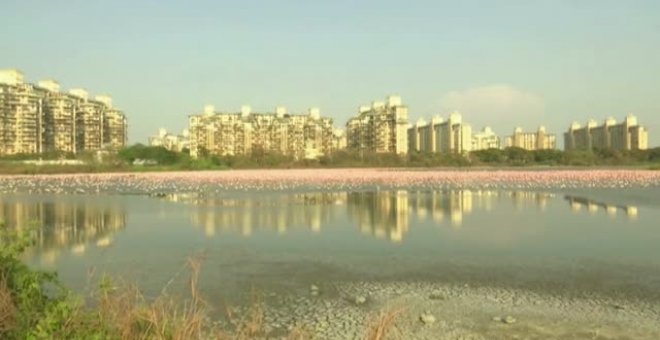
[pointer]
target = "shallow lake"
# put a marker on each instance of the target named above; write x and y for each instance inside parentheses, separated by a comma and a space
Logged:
(578, 243)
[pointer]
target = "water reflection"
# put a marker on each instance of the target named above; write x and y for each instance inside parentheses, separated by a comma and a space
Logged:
(74, 224)
(274, 212)
(382, 214)
(593, 207)
(63, 224)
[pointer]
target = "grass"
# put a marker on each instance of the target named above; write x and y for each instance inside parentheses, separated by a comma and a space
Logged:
(7, 307)
(129, 315)
(33, 305)
(381, 326)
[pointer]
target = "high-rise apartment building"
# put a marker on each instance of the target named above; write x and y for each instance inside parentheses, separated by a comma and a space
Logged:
(59, 118)
(485, 139)
(171, 141)
(439, 135)
(379, 128)
(115, 129)
(243, 133)
(40, 118)
(339, 139)
(627, 135)
(539, 140)
(21, 118)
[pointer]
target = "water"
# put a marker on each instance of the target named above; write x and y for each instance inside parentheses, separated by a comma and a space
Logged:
(581, 243)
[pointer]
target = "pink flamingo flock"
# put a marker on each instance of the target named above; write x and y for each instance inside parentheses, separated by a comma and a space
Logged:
(326, 179)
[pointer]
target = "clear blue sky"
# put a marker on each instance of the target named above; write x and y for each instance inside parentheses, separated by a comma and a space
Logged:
(502, 63)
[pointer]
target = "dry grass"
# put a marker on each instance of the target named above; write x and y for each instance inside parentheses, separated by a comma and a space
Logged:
(7, 307)
(250, 324)
(299, 333)
(381, 325)
(121, 311)
(125, 310)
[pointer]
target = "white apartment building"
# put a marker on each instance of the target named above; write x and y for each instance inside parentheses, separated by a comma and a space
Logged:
(41, 118)
(170, 141)
(539, 140)
(627, 135)
(439, 135)
(485, 139)
(379, 127)
(246, 132)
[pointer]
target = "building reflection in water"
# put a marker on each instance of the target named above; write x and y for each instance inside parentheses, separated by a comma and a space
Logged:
(61, 225)
(271, 212)
(593, 207)
(382, 214)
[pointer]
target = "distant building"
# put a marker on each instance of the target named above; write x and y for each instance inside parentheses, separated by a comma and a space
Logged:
(21, 118)
(485, 139)
(627, 135)
(245, 132)
(171, 141)
(60, 113)
(115, 125)
(40, 118)
(338, 139)
(445, 136)
(539, 140)
(379, 128)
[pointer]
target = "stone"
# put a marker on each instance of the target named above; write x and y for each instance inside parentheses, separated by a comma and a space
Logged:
(509, 319)
(314, 288)
(360, 300)
(497, 318)
(427, 319)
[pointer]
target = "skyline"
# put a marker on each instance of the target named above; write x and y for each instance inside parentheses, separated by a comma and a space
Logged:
(499, 64)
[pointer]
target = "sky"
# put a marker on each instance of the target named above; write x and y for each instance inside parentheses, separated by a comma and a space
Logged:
(500, 63)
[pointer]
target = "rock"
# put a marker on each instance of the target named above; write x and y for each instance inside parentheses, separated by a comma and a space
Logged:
(360, 300)
(427, 319)
(314, 293)
(497, 318)
(509, 319)
(313, 288)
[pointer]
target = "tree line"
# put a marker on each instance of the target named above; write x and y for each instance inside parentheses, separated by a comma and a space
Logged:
(511, 156)
(141, 157)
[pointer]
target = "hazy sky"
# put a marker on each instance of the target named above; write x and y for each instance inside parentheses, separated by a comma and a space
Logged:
(501, 63)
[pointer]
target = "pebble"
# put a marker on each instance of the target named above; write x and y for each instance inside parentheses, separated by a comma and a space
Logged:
(427, 318)
(509, 319)
(360, 300)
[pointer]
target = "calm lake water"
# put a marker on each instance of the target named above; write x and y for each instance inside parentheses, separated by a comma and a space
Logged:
(599, 240)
